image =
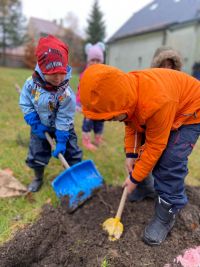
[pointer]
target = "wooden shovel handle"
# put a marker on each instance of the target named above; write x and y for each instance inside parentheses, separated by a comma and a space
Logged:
(122, 203)
(60, 156)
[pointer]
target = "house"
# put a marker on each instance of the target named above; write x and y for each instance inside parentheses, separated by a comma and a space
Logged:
(174, 23)
(36, 28)
(40, 27)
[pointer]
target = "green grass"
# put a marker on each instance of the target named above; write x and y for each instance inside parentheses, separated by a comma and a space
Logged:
(14, 137)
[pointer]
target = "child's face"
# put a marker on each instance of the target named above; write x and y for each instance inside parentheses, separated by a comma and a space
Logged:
(94, 61)
(55, 79)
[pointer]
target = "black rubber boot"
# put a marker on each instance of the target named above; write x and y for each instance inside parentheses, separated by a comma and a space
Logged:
(145, 189)
(35, 185)
(161, 224)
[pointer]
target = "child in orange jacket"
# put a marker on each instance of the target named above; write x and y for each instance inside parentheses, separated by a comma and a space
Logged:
(164, 105)
(164, 57)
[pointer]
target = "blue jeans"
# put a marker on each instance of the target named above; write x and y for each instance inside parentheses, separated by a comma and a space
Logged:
(171, 169)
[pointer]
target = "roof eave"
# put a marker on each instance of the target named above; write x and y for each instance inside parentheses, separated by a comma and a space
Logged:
(164, 27)
(111, 40)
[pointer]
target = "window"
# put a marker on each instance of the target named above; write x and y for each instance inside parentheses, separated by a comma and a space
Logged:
(154, 6)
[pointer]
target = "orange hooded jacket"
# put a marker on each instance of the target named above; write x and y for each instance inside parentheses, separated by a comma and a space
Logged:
(155, 100)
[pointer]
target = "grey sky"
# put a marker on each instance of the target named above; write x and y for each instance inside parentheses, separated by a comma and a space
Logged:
(114, 14)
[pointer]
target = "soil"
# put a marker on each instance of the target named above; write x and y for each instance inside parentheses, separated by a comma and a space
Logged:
(76, 240)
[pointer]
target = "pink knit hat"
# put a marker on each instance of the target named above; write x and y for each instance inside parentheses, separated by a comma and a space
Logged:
(95, 51)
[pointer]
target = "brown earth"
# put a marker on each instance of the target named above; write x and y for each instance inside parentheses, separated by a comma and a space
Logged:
(76, 240)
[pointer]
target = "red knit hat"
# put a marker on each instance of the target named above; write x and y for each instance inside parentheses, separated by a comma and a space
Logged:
(52, 55)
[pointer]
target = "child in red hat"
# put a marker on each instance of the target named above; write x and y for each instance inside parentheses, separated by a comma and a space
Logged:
(48, 105)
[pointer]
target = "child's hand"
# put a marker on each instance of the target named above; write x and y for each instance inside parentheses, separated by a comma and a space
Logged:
(39, 130)
(61, 140)
(130, 186)
(129, 164)
(78, 108)
(60, 148)
(37, 127)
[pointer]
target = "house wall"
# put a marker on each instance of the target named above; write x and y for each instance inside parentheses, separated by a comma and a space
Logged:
(186, 41)
(136, 52)
(197, 48)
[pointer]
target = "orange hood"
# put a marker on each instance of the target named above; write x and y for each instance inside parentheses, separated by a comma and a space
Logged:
(106, 92)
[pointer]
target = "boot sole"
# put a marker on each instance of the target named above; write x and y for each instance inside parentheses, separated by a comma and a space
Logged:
(154, 243)
(151, 243)
(36, 189)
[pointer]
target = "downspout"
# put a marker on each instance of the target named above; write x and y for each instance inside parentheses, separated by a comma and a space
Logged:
(196, 53)
(107, 54)
(164, 39)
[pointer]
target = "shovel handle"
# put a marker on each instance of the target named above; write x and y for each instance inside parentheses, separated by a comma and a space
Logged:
(60, 156)
(122, 203)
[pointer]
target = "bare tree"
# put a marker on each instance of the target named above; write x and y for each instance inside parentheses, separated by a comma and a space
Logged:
(30, 58)
(12, 25)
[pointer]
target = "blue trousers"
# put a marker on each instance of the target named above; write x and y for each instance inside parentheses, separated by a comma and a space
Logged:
(171, 169)
(89, 125)
(40, 151)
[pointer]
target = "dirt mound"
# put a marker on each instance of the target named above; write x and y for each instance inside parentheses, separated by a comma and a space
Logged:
(76, 240)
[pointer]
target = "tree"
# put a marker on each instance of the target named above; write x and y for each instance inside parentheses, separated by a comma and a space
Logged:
(74, 40)
(75, 43)
(30, 58)
(12, 29)
(71, 22)
(96, 26)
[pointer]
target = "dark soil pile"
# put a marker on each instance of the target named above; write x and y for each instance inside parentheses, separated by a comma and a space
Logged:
(76, 240)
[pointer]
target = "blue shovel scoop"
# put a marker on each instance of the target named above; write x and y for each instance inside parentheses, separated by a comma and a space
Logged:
(77, 183)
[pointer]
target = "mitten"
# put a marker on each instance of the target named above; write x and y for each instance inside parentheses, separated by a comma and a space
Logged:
(61, 140)
(39, 130)
(32, 118)
(37, 127)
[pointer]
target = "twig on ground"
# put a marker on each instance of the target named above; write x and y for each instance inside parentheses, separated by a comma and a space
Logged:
(109, 207)
(17, 88)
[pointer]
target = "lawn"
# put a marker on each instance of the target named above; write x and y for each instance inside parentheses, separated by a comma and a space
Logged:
(14, 138)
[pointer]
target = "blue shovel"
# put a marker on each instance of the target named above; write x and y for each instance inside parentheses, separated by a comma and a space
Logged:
(77, 183)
